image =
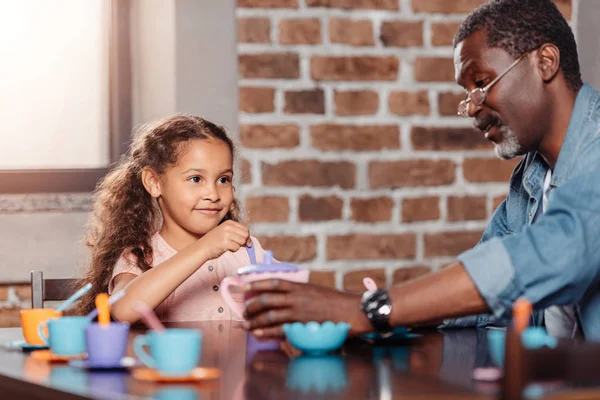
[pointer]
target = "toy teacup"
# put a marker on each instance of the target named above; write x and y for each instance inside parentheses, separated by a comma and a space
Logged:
(257, 272)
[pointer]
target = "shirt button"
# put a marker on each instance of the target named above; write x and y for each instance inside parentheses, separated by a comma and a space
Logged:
(530, 214)
(210, 268)
(215, 288)
(220, 309)
(221, 328)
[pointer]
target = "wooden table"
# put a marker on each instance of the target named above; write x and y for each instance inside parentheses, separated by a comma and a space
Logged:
(434, 365)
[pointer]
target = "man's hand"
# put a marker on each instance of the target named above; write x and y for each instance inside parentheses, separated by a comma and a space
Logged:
(278, 301)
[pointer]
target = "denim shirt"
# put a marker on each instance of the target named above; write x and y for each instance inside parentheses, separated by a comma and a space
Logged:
(551, 258)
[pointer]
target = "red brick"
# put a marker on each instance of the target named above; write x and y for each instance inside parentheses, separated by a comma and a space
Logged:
(421, 209)
(356, 4)
(448, 103)
(23, 291)
(257, 99)
(434, 69)
(498, 200)
(450, 244)
(371, 247)
(442, 33)
(393, 174)
(310, 173)
(4, 292)
(466, 208)
(254, 30)
(10, 317)
(305, 102)
(269, 66)
(267, 209)
(445, 6)
(378, 209)
(409, 273)
(565, 7)
(488, 169)
(322, 278)
(352, 32)
(409, 103)
(356, 102)
(357, 68)
(267, 3)
(290, 248)
(401, 34)
(270, 136)
(300, 31)
(355, 137)
(246, 172)
(353, 281)
(429, 138)
(319, 208)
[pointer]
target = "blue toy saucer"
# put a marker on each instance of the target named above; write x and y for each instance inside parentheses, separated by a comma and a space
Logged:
(23, 345)
(398, 333)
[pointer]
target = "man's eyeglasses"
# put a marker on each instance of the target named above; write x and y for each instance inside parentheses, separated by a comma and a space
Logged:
(477, 96)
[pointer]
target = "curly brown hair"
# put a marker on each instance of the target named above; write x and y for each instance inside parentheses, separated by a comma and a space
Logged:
(124, 215)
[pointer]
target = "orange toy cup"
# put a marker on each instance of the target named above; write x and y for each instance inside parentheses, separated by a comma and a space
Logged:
(31, 318)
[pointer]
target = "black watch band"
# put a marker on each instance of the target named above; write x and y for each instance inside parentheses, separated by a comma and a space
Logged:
(377, 306)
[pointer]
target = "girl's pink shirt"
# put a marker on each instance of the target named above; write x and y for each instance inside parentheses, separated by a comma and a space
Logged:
(198, 298)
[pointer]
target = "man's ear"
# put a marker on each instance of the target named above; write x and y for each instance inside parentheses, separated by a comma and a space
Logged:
(151, 182)
(548, 59)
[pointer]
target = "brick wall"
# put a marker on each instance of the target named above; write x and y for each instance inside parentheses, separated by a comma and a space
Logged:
(354, 162)
(12, 299)
(354, 159)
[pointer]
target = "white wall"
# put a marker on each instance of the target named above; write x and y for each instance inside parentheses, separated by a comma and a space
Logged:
(54, 84)
(184, 60)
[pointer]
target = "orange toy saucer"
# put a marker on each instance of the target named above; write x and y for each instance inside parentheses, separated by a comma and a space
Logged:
(47, 355)
(197, 374)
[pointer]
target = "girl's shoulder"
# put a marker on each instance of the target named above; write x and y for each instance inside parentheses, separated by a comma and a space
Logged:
(161, 251)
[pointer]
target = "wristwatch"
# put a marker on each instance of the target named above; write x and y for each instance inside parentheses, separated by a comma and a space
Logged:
(377, 306)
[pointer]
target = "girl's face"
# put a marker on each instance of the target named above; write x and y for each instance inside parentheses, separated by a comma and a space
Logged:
(197, 192)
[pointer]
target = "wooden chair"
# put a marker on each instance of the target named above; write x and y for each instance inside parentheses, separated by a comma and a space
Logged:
(49, 289)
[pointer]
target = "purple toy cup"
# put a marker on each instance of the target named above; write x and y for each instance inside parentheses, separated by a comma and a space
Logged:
(106, 346)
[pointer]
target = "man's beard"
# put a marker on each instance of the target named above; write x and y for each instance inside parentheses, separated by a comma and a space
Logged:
(509, 147)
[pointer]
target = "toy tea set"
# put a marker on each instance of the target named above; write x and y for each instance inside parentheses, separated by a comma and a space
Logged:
(53, 338)
(174, 353)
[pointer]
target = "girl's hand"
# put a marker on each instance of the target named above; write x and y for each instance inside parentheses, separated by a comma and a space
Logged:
(229, 236)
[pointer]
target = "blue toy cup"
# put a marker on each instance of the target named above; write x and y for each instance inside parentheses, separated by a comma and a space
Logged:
(496, 344)
(172, 352)
(66, 335)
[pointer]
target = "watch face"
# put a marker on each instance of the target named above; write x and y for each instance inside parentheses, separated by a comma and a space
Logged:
(377, 307)
(385, 310)
(366, 295)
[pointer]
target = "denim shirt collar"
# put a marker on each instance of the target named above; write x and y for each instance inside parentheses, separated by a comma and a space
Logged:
(582, 112)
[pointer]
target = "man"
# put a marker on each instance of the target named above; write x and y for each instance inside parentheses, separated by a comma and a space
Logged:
(517, 60)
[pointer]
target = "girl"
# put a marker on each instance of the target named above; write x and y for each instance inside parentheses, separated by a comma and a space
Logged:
(166, 226)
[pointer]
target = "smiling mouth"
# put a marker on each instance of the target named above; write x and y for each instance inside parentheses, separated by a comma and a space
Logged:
(208, 211)
(487, 131)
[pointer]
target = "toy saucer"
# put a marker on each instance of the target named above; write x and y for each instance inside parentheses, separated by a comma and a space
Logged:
(49, 356)
(126, 362)
(197, 374)
(23, 345)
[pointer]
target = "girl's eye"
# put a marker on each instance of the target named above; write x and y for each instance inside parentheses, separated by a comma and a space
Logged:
(195, 179)
(480, 83)
(224, 179)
